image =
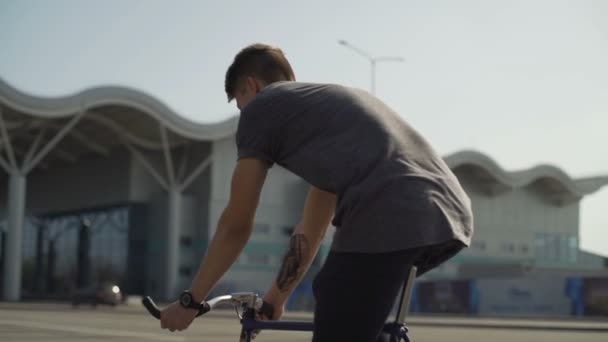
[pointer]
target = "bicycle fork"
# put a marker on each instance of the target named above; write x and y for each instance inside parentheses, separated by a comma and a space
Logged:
(247, 333)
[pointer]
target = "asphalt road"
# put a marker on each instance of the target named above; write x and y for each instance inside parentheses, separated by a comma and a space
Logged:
(50, 323)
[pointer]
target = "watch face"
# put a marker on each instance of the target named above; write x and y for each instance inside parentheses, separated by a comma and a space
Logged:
(185, 299)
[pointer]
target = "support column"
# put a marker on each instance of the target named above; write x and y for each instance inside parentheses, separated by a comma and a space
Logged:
(16, 215)
(173, 234)
(175, 188)
(16, 201)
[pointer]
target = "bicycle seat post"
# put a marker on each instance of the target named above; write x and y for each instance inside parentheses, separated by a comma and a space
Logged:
(406, 296)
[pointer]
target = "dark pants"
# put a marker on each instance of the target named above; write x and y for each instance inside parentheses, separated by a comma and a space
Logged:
(355, 292)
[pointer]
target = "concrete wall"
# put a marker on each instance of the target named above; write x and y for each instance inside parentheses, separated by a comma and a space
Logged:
(142, 185)
(592, 261)
(92, 181)
(533, 296)
(542, 296)
(157, 250)
(513, 225)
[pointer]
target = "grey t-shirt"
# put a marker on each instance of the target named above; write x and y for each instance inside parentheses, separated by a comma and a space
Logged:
(394, 191)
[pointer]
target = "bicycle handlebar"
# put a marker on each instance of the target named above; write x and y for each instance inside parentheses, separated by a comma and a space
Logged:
(245, 299)
(155, 311)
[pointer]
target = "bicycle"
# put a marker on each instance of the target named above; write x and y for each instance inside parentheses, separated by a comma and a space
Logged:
(252, 305)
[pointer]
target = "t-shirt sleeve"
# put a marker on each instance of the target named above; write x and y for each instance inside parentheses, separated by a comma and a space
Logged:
(255, 137)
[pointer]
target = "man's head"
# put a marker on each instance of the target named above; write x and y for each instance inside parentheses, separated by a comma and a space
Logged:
(253, 68)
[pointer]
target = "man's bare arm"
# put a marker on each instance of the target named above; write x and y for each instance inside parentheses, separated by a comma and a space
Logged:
(304, 244)
(234, 226)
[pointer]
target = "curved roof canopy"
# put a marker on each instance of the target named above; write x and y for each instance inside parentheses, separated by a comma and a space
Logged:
(100, 118)
(96, 119)
(549, 179)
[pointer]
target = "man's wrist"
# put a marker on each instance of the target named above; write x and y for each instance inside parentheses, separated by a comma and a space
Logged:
(197, 295)
(274, 296)
(187, 301)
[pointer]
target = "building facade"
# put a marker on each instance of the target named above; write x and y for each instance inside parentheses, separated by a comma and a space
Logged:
(111, 185)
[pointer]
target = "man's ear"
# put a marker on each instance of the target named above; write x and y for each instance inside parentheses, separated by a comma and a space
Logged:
(254, 85)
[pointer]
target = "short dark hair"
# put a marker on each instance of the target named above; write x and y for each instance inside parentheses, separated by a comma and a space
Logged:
(264, 62)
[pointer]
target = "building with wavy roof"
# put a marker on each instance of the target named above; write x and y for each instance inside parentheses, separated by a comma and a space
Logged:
(109, 184)
(526, 221)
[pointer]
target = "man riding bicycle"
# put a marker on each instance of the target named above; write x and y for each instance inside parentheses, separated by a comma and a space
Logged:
(393, 200)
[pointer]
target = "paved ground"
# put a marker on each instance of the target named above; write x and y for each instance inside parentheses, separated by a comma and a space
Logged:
(50, 323)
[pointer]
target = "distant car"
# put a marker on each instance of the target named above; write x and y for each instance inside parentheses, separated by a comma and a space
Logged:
(104, 293)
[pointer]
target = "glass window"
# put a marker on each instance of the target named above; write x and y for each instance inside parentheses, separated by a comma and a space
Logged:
(2, 236)
(288, 231)
(186, 241)
(261, 229)
(552, 247)
(507, 247)
(258, 259)
(564, 249)
(572, 249)
(185, 271)
(106, 247)
(479, 245)
(540, 248)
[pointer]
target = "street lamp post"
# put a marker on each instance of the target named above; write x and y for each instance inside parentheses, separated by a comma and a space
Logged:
(372, 60)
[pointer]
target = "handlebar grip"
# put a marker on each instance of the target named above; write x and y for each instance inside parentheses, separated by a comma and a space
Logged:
(151, 306)
(155, 311)
(267, 310)
(203, 309)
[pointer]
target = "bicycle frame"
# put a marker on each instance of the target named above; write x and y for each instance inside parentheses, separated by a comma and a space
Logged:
(397, 330)
(249, 324)
(252, 305)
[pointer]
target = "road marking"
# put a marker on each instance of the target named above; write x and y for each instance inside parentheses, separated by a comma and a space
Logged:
(92, 331)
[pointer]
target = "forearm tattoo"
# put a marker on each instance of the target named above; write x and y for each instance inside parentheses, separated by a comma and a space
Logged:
(296, 257)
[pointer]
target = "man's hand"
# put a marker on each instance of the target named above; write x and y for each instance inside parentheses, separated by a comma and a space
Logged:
(176, 317)
(278, 307)
(277, 313)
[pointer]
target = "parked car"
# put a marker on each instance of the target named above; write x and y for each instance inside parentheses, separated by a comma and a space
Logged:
(102, 293)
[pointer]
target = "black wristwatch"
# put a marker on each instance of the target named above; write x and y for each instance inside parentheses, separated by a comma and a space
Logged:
(187, 301)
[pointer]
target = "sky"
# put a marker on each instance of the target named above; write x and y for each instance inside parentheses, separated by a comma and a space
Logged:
(523, 81)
